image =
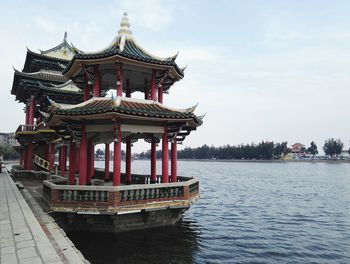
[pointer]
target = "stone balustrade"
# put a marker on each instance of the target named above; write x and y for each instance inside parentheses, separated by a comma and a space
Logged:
(118, 199)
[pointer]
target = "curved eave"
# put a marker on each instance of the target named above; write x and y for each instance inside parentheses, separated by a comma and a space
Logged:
(55, 119)
(31, 55)
(74, 66)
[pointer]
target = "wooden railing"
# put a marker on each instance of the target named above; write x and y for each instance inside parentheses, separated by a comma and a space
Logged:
(25, 128)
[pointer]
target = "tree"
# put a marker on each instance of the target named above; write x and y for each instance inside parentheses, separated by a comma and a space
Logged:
(8, 152)
(99, 153)
(312, 149)
(333, 147)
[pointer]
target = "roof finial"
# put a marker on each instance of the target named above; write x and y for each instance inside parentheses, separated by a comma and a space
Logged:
(124, 26)
(65, 37)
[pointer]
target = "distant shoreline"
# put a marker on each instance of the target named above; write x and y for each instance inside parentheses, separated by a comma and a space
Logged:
(267, 161)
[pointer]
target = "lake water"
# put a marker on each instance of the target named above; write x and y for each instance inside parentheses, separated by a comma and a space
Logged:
(247, 213)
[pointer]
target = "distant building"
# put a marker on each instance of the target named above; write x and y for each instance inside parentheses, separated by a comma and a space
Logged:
(297, 148)
(345, 153)
(8, 139)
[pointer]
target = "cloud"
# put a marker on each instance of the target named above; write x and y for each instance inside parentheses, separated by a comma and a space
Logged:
(44, 24)
(154, 15)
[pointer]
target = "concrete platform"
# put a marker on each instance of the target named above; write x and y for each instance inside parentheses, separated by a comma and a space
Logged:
(22, 237)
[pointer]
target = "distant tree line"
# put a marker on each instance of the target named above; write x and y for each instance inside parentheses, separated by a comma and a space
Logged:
(261, 151)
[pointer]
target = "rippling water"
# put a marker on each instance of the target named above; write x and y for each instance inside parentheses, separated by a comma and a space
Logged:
(248, 213)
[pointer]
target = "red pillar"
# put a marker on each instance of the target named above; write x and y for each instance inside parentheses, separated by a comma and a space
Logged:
(83, 158)
(51, 156)
(47, 151)
(72, 163)
(128, 91)
(97, 82)
(91, 160)
(165, 175)
(153, 86)
(21, 157)
(107, 161)
(27, 114)
(128, 161)
(77, 155)
(160, 94)
(31, 111)
(119, 79)
(86, 91)
(92, 167)
(116, 162)
(30, 156)
(146, 90)
(173, 161)
(153, 162)
(63, 160)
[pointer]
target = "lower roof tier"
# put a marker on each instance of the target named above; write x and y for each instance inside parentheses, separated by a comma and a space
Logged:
(98, 108)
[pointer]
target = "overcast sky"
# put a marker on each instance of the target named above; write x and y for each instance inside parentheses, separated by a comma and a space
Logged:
(262, 70)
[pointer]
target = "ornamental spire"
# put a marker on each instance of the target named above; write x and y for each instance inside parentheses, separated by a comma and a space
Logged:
(124, 26)
(124, 31)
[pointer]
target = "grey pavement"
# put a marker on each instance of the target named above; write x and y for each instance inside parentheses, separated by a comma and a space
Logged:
(22, 240)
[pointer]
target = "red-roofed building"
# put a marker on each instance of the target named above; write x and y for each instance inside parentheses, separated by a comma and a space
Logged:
(297, 148)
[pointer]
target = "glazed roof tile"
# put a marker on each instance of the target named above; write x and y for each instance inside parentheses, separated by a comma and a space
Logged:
(126, 106)
(46, 75)
(131, 50)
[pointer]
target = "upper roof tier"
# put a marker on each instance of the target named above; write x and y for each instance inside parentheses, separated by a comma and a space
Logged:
(62, 51)
(124, 49)
(55, 59)
(45, 83)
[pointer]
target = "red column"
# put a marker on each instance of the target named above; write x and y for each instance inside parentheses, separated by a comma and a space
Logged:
(21, 158)
(153, 86)
(119, 79)
(128, 161)
(165, 175)
(173, 161)
(51, 156)
(146, 90)
(153, 162)
(47, 152)
(30, 156)
(128, 91)
(72, 163)
(83, 158)
(107, 161)
(77, 155)
(160, 94)
(27, 115)
(97, 82)
(31, 111)
(116, 162)
(63, 160)
(86, 91)
(91, 160)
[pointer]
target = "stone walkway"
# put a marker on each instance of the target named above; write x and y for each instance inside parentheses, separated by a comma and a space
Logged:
(22, 240)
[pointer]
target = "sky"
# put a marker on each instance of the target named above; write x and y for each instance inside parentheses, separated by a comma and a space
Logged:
(261, 70)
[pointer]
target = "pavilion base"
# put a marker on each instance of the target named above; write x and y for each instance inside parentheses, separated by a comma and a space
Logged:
(118, 223)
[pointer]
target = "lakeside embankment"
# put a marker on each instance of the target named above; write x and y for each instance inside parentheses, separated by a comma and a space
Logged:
(28, 234)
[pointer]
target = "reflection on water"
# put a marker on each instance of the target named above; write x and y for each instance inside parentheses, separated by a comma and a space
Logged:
(172, 244)
(247, 213)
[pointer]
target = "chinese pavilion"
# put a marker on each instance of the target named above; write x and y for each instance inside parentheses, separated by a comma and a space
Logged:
(66, 110)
